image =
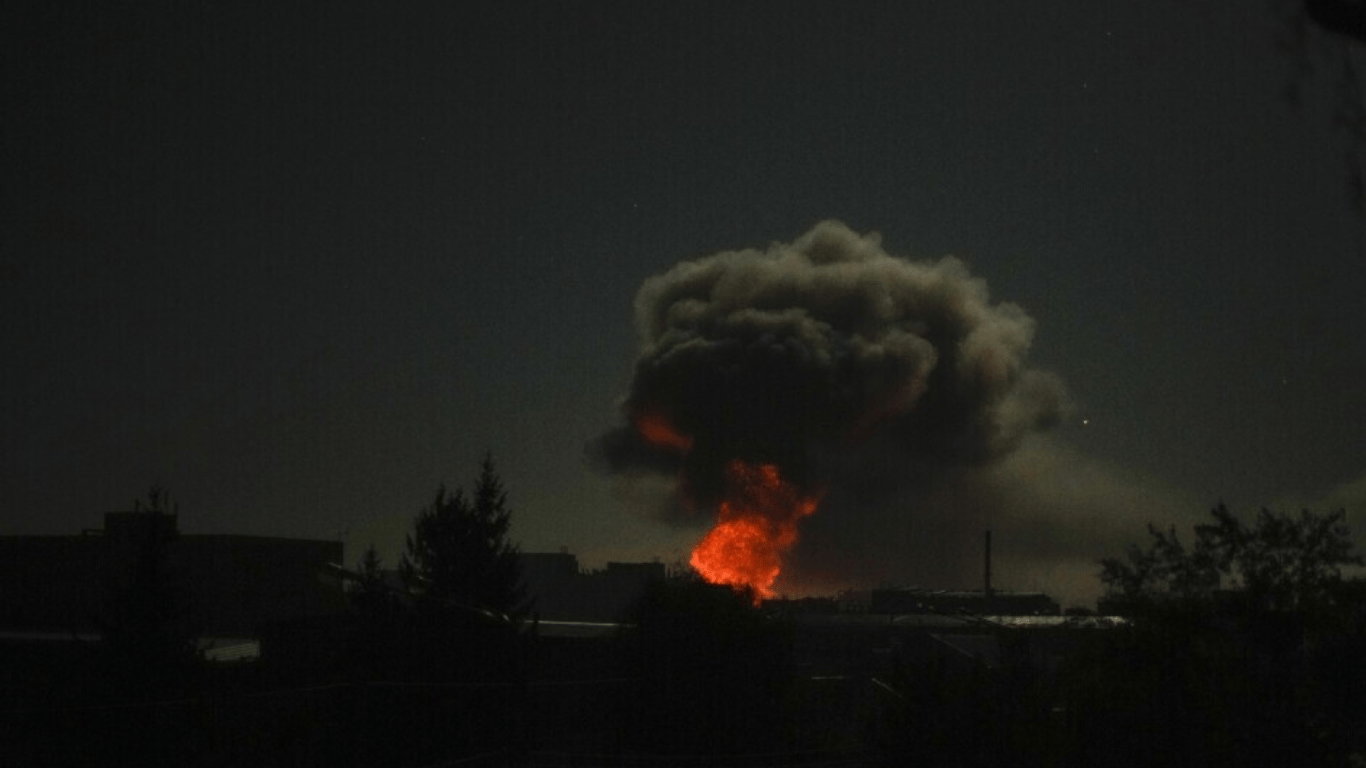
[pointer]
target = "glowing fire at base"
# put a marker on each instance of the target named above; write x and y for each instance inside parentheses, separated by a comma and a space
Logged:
(756, 523)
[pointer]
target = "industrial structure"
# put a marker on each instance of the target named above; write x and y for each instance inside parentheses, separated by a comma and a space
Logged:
(219, 585)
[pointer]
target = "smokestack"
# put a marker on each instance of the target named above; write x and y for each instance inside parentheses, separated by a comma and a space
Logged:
(986, 592)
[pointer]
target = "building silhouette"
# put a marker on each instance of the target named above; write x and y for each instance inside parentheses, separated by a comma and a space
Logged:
(991, 602)
(222, 585)
(564, 592)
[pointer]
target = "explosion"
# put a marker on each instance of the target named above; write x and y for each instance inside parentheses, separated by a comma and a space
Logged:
(756, 518)
(755, 524)
(821, 363)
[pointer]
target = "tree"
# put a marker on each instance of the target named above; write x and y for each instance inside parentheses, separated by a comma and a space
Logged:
(369, 594)
(147, 636)
(1237, 651)
(375, 619)
(1279, 563)
(1341, 17)
(1321, 35)
(709, 672)
(459, 555)
(463, 627)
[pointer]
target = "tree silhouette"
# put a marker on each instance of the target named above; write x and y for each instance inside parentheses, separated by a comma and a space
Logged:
(146, 636)
(1341, 17)
(459, 556)
(1321, 35)
(461, 627)
(710, 672)
(1279, 563)
(369, 594)
(1237, 652)
(376, 619)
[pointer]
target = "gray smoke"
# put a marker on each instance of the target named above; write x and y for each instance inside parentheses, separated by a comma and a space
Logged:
(823, 352)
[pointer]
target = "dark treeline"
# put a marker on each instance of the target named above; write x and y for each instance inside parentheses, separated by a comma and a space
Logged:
(1245, 648)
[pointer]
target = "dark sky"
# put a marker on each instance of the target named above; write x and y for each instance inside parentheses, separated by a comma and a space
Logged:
(300, 265)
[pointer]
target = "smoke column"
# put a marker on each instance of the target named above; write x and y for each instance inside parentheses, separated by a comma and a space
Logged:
(806, 353)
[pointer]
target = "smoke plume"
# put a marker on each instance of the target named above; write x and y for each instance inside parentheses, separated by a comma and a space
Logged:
(797, 351)
(805, 353)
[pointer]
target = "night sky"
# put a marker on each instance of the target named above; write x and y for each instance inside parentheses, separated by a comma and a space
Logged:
(301, 265)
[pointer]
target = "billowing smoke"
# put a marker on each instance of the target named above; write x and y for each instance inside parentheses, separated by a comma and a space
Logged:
(831, 359)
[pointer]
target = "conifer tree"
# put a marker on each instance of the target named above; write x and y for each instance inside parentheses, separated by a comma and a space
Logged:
(459, 556)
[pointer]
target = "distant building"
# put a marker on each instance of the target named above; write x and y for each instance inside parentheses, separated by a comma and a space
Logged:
(563, 592)
(913, 600)
(224, 585)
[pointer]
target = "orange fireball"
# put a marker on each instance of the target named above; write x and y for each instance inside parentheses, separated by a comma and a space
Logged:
(756, 523)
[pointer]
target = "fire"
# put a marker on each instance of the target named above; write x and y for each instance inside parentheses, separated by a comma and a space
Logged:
(756, 523)
(658, 431)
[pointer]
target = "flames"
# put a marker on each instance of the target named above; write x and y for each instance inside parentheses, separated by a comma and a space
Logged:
(756, 518)
(755, 524)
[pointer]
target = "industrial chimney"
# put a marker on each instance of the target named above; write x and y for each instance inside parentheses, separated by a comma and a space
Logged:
(986, 591)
